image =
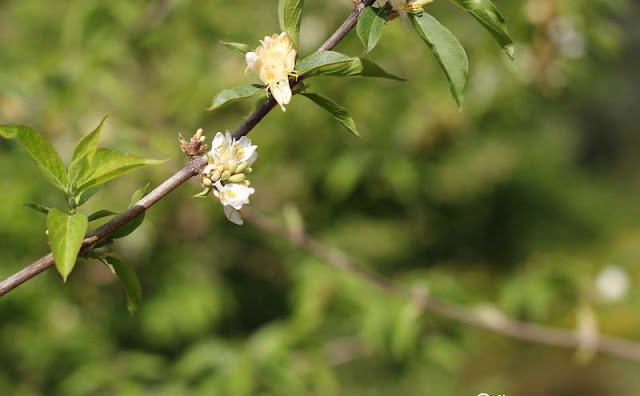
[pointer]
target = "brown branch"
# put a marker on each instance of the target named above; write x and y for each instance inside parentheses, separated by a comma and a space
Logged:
(192, 169)
(493, 321)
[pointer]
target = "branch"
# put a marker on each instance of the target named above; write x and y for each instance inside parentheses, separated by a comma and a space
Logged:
(194, 168)
(496, 323)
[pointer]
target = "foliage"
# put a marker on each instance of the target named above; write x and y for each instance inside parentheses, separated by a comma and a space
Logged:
(517, 202)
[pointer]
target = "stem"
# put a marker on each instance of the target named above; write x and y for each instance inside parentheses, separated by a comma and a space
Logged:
(498, 323)
(192, 169)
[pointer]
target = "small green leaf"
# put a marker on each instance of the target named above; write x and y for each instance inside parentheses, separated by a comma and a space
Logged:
(85, 195)
(108, 164)
(66, 233)
(488, 15)
(447, 50)
(40, 150)
(100, 214)
(236, 93)
(239, 47)
(80, 166)
(337, 111)
(37, 207)
(290, 16)
(330, 63)
(139, 194)
(137, 221)
(369, 27)
(129, 281)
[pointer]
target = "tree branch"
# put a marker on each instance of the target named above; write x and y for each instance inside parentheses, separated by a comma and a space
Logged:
(192, 169)
(494, 321)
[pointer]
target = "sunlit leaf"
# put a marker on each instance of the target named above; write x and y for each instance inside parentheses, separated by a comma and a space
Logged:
(447, 50)
(40, 150)
(108, 164)
(330, 63)
(66, 233)
(236, 93)
(369, 27)
(337, 111)
(290, 16)
(239, 47)
(80, 167)
(129, 281)
(488, 15)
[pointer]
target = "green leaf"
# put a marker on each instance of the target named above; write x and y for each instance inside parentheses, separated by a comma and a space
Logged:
(85, 195)
(80, 166)
(338, 112)
(236, 93)
(488, 15)
(447, 50)
(369, 27)
(66, 233)
(129, 281)
(330, 63)
(137, 221)
(240, 47)
(37, 207)
(108, 164)
(289, 16)
(40, 150)
(100, 214)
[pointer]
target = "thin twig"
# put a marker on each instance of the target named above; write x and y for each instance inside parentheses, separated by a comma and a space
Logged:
(494, 321)
(192, 169)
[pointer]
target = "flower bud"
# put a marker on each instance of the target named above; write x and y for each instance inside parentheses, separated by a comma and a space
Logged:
(237, 178)
(242, 166)
(215, 176)
(225, 175)
(232, 166)
(206, 182)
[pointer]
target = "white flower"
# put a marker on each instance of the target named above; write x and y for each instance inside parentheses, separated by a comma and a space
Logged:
(404, 7)
(225, 175)
(232, 197)
(274, 62)
(225, 150)
(233, 194)
(612, 284)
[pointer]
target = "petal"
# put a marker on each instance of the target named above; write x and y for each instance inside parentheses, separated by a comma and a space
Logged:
(217, 142)
(251, 58)
(281, 93)
(233, 215)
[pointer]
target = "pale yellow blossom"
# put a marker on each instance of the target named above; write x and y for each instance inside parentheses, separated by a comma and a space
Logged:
(273, 62)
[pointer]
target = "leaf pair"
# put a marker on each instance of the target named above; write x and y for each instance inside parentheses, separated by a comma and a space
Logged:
(90, 167)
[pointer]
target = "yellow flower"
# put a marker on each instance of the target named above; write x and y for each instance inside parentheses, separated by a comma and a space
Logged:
(273, 62)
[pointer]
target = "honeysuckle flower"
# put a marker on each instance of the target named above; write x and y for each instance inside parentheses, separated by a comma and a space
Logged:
(225, 175)
(273, 62)
(225, 149)
(404, 7)
(232, 197)
(233, 194)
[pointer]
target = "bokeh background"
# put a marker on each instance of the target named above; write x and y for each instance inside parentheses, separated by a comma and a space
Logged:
(525, 201)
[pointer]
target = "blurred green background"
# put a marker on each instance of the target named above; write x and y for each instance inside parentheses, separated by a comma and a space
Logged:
(524, 201)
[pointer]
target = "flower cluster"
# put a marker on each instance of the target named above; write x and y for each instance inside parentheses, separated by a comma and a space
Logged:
(274, 62)
(404, 7)
(229, 163)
